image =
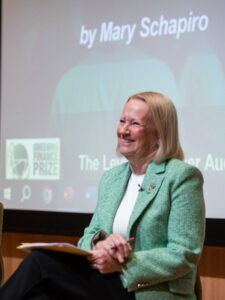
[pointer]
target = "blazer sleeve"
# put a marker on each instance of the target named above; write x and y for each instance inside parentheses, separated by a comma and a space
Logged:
(111, 188)
(94, 232)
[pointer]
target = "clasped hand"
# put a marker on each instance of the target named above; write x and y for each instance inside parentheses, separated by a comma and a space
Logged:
(108, 255)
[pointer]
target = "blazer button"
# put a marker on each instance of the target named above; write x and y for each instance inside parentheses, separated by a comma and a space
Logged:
(142, 285)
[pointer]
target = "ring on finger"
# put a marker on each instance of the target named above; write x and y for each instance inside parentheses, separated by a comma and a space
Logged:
(111, 246)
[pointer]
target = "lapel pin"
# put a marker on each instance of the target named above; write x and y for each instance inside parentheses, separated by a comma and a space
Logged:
(151, 187)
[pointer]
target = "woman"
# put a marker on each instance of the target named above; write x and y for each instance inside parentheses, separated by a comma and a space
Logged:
(155, 198)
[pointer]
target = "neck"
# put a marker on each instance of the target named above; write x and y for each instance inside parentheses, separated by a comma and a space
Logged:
(139, 167)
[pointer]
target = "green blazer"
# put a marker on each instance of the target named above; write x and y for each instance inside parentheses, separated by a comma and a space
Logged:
(168, 223)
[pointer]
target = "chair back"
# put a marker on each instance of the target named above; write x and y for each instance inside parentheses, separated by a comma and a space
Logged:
(198, 287)
(1, 258)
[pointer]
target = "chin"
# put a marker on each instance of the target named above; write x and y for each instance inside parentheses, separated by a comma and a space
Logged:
(126, 154)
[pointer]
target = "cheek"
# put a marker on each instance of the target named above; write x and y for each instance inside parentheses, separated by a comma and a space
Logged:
(118, 131)
(155, 137)
(140, 136)
(151, 140)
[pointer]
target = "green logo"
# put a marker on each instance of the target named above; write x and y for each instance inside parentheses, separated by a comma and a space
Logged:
(18, 161)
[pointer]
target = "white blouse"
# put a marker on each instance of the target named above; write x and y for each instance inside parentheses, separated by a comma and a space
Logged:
(125, 209)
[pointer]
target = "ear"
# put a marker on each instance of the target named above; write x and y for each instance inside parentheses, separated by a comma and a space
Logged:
(157, 140)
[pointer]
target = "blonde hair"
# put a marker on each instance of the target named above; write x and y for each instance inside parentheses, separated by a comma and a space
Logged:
(164, 116)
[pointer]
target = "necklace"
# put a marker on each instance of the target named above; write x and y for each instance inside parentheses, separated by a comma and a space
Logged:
(137, 181)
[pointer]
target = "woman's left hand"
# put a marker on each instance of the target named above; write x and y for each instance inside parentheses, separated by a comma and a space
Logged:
(102, 261)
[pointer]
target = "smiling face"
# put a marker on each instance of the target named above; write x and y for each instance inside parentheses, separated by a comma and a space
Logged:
(136, 132)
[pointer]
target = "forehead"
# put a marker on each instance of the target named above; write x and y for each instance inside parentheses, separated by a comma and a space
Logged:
(136, 108)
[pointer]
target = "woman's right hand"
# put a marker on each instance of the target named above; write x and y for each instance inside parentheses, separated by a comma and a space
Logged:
(116, 246)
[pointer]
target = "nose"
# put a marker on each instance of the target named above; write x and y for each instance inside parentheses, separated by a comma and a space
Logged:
(124, 129)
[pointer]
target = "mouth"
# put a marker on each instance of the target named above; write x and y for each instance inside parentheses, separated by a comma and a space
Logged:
(125, 141)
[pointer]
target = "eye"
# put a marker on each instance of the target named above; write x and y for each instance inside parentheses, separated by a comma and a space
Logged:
(122, 121)
(135, 123)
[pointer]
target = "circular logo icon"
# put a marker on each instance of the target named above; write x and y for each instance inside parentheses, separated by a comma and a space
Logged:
(18, 161)
(47, 195)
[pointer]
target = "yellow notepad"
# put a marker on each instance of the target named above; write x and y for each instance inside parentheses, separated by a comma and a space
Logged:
(59, 247)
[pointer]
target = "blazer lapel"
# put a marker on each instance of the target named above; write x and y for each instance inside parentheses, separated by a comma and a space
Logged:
(151, 184)
(116, 192)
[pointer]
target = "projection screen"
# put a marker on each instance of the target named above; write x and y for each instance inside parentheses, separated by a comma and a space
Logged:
(68, 67)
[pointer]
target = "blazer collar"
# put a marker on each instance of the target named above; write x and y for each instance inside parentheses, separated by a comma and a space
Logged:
(151, 185)
(117, 190)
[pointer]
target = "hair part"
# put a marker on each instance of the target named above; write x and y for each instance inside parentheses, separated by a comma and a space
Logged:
(164, 116)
